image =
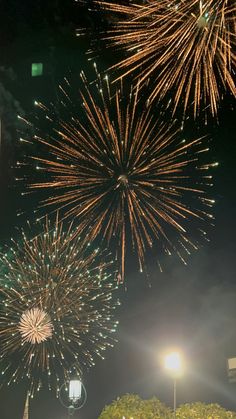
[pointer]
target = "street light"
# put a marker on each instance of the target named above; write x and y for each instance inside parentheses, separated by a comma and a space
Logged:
(73, 395)
(173, 363)
(75, 390)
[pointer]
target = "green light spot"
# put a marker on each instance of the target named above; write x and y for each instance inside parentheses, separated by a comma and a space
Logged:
(36, 69)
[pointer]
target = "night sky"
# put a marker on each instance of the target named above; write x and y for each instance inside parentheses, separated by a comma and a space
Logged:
(190, 307)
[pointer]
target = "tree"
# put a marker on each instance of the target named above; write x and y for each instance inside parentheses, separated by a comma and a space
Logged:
(132, 406)
(203, 411)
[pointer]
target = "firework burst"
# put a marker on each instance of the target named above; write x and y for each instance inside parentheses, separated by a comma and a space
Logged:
(186, 47)
(121, 172)
(35, 326)
(56, 308)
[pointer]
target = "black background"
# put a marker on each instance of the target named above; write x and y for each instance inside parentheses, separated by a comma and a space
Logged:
(192, 307)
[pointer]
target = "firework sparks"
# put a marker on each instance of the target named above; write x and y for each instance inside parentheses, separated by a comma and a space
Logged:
(56, 308)
(35, 326)
(119, 171)
(187, 49)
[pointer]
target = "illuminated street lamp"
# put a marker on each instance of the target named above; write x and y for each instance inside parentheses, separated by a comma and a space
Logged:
(75, 390)
(73, 395)
(173, 363)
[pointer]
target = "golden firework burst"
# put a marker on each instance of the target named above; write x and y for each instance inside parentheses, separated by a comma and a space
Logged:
(126, 177)
(56, 307)
(35, 326)
(185, 49)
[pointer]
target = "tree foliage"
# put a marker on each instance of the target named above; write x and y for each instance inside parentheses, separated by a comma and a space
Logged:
(132, 406)
(203, 411)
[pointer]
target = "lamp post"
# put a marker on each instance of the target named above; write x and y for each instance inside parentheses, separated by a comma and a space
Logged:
(73, 395)
(173, 364)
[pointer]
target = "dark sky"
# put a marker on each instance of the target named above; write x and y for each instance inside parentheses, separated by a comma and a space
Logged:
(192, 307)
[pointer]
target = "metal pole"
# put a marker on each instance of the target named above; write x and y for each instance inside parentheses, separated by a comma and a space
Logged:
(26, 408)
(174, 398)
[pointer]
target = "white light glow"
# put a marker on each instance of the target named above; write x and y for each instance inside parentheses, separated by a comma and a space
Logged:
(75, 390)
(173, 363)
